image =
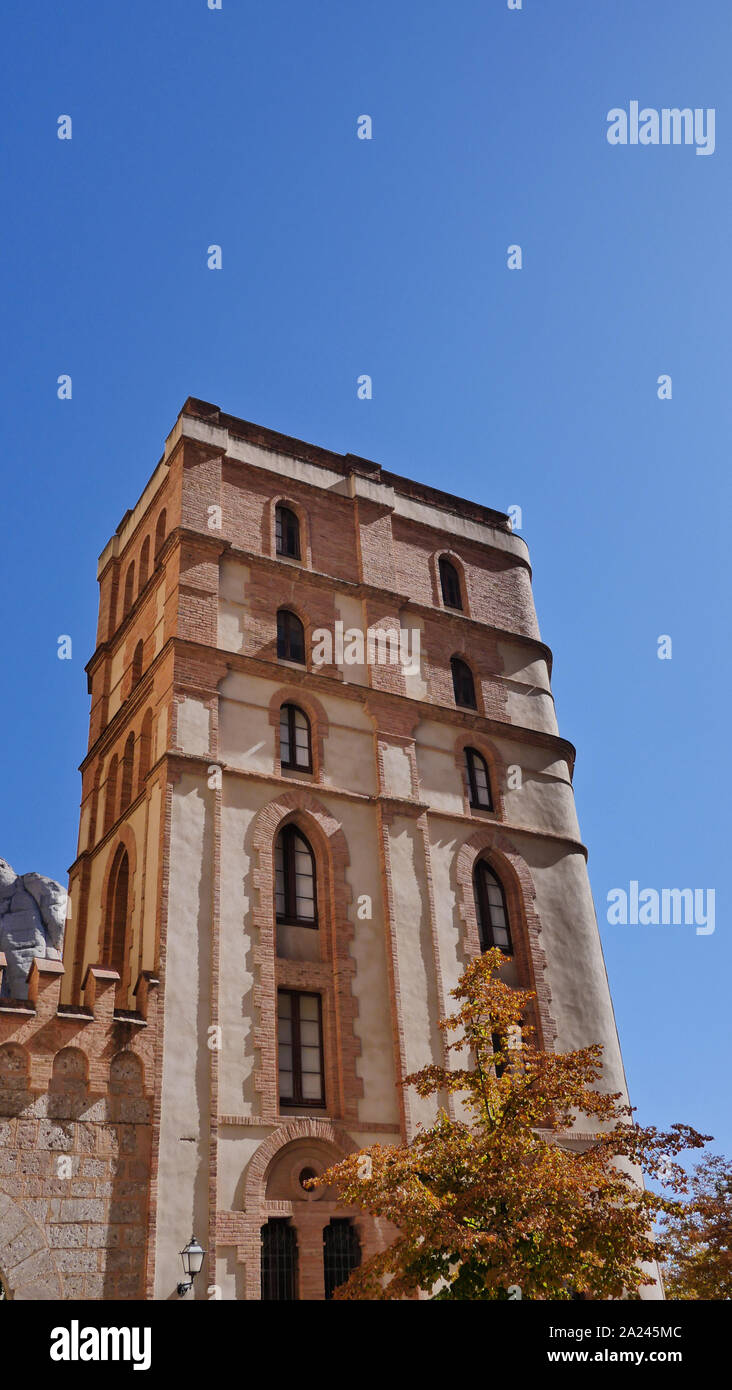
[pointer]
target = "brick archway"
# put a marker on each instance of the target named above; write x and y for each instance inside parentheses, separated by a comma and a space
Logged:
(309, 1218)
(26, 1262)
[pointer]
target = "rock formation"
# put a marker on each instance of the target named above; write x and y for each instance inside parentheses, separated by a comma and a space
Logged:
(32, 920)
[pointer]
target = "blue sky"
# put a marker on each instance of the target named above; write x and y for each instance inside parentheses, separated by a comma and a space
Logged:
(388, 257)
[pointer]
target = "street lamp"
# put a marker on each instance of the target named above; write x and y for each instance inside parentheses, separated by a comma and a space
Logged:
(192, 1256)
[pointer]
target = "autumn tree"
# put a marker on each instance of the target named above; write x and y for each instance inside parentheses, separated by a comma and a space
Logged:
(494, 1201)
(699, 1235)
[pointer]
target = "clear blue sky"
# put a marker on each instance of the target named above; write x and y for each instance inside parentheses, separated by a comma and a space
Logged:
(340, 257)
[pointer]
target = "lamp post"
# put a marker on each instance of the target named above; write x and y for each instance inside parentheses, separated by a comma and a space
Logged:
(192, 1255)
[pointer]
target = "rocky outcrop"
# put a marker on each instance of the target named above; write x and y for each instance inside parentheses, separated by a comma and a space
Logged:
(32, 920)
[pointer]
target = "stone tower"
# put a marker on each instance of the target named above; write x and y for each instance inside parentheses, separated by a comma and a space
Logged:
(303, 837)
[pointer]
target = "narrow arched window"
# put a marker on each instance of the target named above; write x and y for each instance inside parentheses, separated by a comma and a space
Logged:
(295, 895)
(490, 908)
(137, 663)
(450, 584)
(110, 795)
(127, 768)
(145, 749)
(462, 683)
(129, 589)
(287, 533)
(144, 565)
(279, 1260)
(341, 1252)
(478, 780)
(160, 532)
(290, 637)
(115, 932)
(295, 743)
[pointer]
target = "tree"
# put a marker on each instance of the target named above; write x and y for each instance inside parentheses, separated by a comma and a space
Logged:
(491, 1200)
(699, 1235)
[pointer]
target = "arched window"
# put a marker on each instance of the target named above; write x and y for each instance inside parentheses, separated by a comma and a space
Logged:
(144, 564)
(287, 533)
(115, 927)
(160, 533)
(295, 899)
(462, 683)
(110, 795)
(145, 749)
(129, 589)
(490, 908)
(478, 780)
(295, 743)
(137, 664)
(290, 637)
(450, 584)
(127, 771)
(341, 1252)
(279, 1260)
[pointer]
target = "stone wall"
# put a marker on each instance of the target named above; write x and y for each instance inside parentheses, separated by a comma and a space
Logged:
(75, 1141)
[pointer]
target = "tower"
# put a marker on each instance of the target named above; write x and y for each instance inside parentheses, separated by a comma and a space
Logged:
(324, 771)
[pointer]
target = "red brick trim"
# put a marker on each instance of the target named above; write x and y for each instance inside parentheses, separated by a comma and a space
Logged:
(269, 540)
(343, 1085)
(459, 566)
(319, 726)
(496, 773)
(243, 1228)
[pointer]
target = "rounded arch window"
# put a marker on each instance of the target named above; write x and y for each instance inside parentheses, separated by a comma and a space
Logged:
(287, 532)
(290, 637)
(450, 584)
(295, 739)
(160, 532)
(144, 565)
(479, 781)
(129, 592)
(463, 684)
(490, 909)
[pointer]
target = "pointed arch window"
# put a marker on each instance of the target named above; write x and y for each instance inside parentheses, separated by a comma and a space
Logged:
(279, 1260)
(341, 1253)
(145, 749)
(463, 684)
(479, 780)
(490, 908)
(290, 637)
(110, 795)
(287, 533)
(295, 894)
(450, 584)
(295, 739)
(115, 934)
(127, 771)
